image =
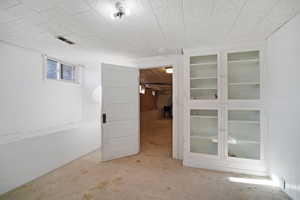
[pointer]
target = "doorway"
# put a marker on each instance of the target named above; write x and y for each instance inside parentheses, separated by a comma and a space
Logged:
(156, 111)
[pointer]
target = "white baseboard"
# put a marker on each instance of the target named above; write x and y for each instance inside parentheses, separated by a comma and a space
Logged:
(257, 169)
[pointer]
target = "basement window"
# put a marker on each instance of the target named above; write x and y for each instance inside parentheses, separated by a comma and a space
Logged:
(67, 72)
(58, 70)
(51, 69)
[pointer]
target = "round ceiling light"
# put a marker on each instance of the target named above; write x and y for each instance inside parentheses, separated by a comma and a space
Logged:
(169, 70)
(120, 10)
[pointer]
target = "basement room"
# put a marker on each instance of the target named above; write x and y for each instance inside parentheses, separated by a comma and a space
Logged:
(149, 99)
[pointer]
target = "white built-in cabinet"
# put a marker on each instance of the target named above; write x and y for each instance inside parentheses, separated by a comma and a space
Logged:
(204, 77)
(225, 121)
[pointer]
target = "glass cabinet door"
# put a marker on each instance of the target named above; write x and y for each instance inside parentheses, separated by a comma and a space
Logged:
(204, 131)
(244, 135)
(243, 75)
(204, 77)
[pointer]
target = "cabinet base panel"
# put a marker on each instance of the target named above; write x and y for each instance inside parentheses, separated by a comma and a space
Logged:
(258, 170)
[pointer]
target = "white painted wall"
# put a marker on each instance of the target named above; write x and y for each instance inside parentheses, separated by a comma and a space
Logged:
(284, 105)
(43, 124)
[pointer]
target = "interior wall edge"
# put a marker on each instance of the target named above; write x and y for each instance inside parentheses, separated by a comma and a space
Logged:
(283, 107)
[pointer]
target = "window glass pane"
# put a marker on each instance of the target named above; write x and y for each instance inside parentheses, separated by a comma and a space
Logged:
(204, 131)
(244, 134)
(51, 69)
(66, 72)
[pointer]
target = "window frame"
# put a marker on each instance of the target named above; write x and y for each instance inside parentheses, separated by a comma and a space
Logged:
(76, 71)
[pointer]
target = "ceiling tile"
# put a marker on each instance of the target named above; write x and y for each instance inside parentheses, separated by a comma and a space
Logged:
(154, 27)
(22, 12)
(212, 24)
(264, 29)
(239, 3)
(55, 29)
(5, 4)
(284, 10)
(91, 24)
(16, 28)
(55, 14)
(225, 7)
(41, 5)
(73, 7)
(169, 17)
(253, 13)
(6, 17)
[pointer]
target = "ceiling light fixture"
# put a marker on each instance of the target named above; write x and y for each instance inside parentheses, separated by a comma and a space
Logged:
(121, 11)
(169, 70)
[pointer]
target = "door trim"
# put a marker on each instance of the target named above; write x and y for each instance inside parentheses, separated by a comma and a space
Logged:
(177, 139)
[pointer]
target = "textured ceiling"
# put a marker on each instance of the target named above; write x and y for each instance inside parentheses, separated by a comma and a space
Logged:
(155, 27)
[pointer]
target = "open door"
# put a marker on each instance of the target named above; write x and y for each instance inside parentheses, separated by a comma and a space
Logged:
(120, 112)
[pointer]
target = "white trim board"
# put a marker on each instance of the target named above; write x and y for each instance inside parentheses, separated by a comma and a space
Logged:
(227, 166)
(18, 136)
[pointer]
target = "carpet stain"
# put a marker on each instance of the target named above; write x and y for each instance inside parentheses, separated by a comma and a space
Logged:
(117, 180)
(103, 184)
(41, 196)
(100, 185)
(84, 171)
(75, 179)
(87, 196)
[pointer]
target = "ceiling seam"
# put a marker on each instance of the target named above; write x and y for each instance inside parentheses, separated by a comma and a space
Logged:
(184, 25)
(157, 21)
(236, 19)
(287, 21)
(232, 1)
(213, 7)
(14, 5)
(268, 13)
(22, 47)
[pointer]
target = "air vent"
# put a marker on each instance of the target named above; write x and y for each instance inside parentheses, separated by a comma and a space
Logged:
(65, 40)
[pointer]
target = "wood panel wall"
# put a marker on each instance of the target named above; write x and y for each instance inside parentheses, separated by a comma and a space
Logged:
(148, 101)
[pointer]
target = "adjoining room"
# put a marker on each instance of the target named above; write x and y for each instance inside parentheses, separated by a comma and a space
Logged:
(156, 111)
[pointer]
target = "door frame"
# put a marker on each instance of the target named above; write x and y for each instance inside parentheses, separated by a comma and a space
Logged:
(172, 102)
(154, 62)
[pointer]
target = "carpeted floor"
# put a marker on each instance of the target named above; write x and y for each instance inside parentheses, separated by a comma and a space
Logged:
(150, 175)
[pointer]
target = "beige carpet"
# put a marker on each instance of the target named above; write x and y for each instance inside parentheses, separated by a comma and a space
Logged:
(150, 175)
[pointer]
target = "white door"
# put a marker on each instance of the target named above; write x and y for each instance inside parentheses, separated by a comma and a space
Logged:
(120, 112)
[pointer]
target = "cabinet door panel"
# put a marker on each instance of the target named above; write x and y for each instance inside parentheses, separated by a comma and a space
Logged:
(203, 77)
(204, 128)
(243, 75)
(244, 135)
